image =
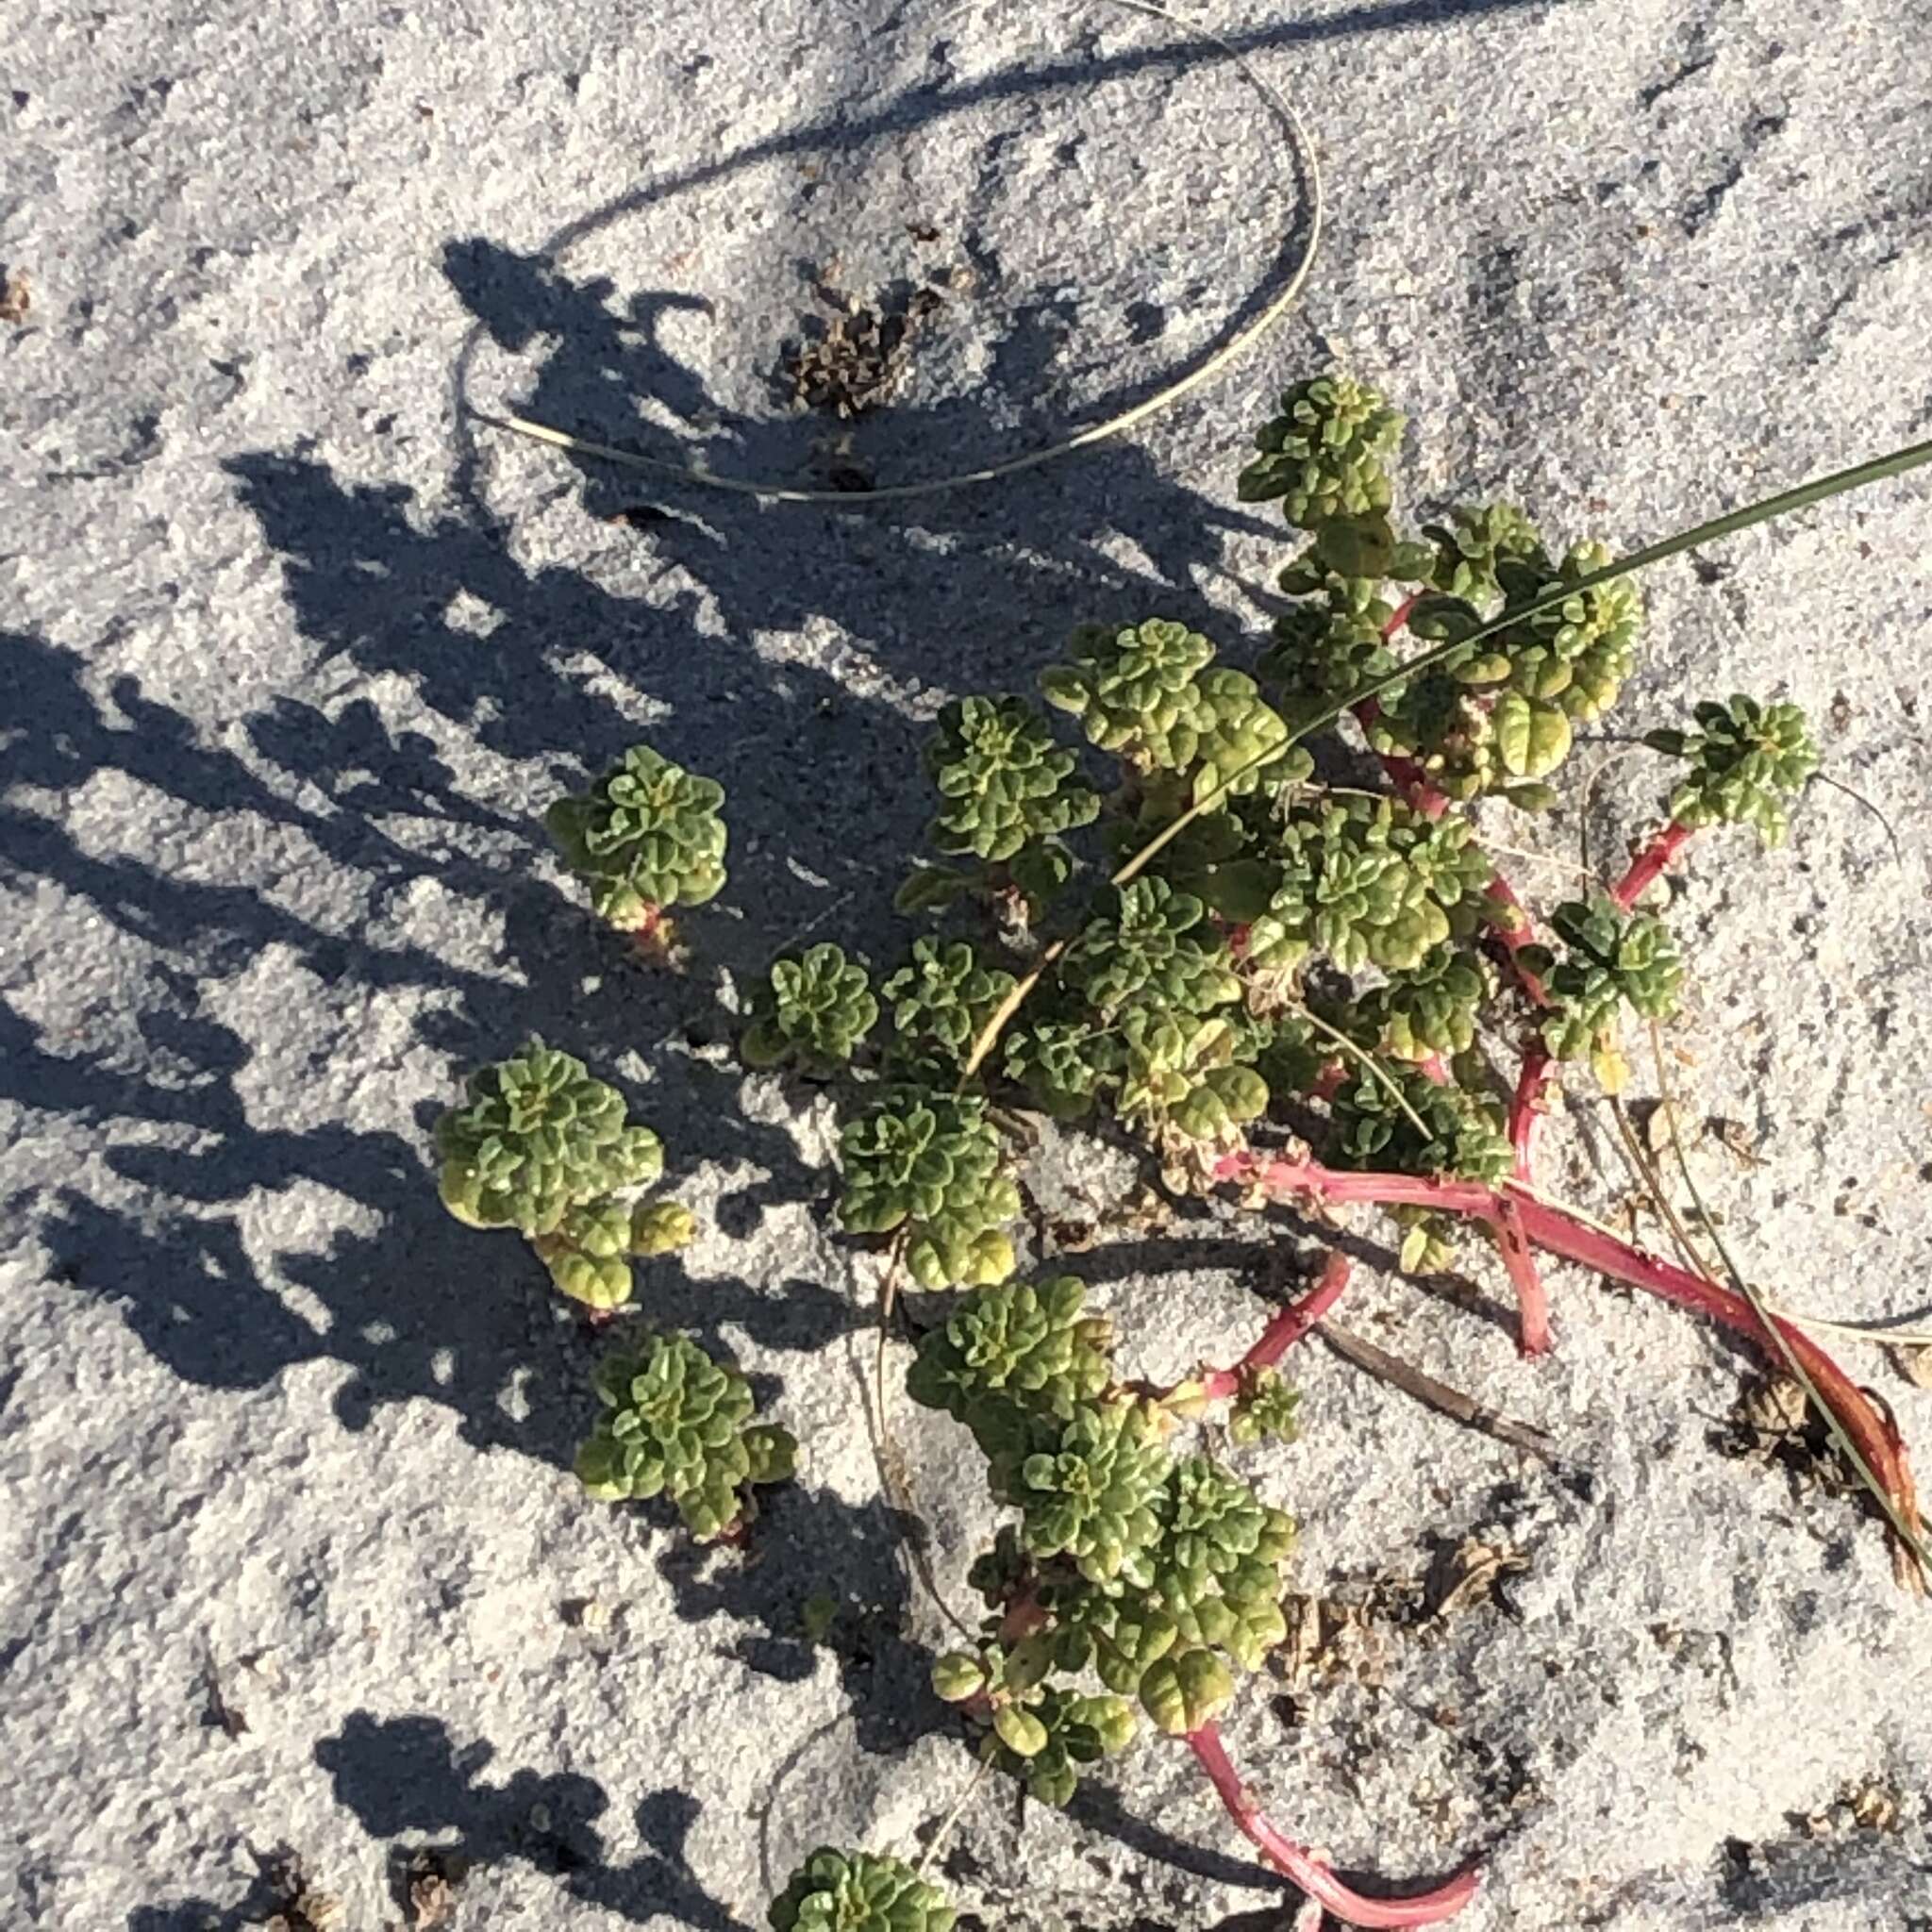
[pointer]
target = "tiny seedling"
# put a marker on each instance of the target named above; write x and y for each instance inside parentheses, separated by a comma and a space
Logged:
(856, 1891)
(646, 837)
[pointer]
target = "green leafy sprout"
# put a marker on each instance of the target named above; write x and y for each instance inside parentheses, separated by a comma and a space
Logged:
(644, 837)
(677, 1424)
(543, 1147)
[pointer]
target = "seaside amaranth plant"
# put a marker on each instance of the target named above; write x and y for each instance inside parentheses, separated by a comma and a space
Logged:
(1284, 990)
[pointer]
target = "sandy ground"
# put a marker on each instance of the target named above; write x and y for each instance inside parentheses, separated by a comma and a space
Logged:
(294, 651)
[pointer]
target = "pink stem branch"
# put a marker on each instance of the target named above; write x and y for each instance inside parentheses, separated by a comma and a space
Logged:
(1305, 1869)
(1649, 864)
(1514, 931)
(1285, 1328)
(1532, 1303)
(1562, 1235)
(1527, 1110)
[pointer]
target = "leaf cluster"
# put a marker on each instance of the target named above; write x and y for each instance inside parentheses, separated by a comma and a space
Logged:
(543, 1147)
(858, 1891)
(678, 1423)
(646, 836)
(1160, 1573)
(1746, 759)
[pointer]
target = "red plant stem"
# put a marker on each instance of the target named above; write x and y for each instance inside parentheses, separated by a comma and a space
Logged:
(1023, 1617)
(1285, 1328)
(1329, 1081)
(1649, 864)
(1532, 1303)
(1433, 1071)
(1514, 934)
(1305, 1869)
(1561, 1234)
(1527, 1110)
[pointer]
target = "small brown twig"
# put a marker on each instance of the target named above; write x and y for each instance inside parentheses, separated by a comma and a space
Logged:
(1439, 1396)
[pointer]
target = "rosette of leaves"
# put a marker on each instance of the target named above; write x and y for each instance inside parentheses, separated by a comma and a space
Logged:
(856, 1891)
(1089, 1492)
(1217, 1565)
(1064, 1064)
(813, 1010)
(1152, 953)
(1578, 653)
(1008, 1353)
(1473, 542)
(940, 1002)
(1005, 781)
(1610, 958)
(680, 1424)
(1396, 1121)
(1324, 453)
(1323, 653)
(1136, 690)
(1267, 1406)
(1182, 1074)
(1040, 1732)
(1368, 882)
(1433, 1008)
(1497, 714)
(538, 1137)
(1238, 731)
(1746, 759)
(647, 836)
(929, 1161)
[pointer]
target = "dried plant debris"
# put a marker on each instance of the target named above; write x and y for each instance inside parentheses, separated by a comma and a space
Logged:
(856, 361)
(16, 295)
(1871, 1802)
(300, 1905)
(1773, 1423)
(1352, 1636)
(428, 1885)
(1473, 1572)
(1331, 1640)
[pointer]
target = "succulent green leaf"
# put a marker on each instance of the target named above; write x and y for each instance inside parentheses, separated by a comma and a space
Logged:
(677, 1422)
(1185, 1690)
(646, 836)
(858, 1891)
